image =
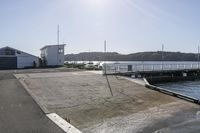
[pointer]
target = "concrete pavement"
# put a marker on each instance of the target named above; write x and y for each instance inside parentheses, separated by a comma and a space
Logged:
(84, 99)
(19, 113)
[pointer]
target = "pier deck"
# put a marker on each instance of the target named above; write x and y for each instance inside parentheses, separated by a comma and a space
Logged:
(85, 100)
(145, 68)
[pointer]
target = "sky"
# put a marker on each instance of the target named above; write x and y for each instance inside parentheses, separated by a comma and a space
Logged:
(129, 26)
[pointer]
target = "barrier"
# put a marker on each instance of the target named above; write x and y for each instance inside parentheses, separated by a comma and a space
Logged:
(114, 68)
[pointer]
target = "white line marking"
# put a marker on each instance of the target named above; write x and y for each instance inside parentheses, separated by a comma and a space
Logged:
(64, 125)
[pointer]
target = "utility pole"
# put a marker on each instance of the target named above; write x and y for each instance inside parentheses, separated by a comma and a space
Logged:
(162, 55)
(58, 34)
(105, 43)
(198, 55)
(58, 39)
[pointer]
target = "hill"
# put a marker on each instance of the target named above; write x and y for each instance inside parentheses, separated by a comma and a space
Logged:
(140, 56)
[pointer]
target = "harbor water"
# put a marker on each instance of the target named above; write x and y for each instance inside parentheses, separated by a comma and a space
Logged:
(188, 88)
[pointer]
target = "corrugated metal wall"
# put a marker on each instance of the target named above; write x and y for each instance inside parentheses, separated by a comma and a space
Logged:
(8, 63)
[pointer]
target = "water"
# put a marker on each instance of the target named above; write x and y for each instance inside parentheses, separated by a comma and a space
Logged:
(189, 88)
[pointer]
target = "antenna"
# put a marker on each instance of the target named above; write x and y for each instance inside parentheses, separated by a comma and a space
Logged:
(58, 34)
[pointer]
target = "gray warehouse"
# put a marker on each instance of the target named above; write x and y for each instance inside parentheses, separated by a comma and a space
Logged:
(11, 58)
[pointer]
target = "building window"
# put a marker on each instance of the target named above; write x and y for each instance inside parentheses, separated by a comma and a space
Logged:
(60, 50)
(9, 51)
(18, 52)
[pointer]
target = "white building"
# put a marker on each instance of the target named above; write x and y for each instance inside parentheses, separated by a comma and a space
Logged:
(11, 58)
(53, 55)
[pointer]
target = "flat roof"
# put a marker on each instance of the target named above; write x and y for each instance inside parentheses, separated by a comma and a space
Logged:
(52, 46)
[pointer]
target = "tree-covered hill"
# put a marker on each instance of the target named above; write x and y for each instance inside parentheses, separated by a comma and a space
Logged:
(140, 56)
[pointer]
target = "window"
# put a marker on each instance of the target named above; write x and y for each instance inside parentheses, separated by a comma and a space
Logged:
(9, 51)
(18, 52)
(60, 50)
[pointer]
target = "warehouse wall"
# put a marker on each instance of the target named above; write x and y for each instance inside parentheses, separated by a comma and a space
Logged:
(25, 60)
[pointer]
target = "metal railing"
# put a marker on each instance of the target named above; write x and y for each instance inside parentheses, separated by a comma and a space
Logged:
(112, 68)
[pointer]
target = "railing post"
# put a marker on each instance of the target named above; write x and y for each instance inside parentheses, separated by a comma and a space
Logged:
(118, 68)
(115, 69)
(153, 67)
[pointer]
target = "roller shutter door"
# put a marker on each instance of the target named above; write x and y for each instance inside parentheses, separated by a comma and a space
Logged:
(8, 63)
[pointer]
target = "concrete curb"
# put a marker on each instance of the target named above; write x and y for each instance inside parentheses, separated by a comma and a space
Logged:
(64, 125)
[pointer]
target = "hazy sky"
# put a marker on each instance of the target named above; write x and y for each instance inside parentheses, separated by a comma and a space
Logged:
(127, 25)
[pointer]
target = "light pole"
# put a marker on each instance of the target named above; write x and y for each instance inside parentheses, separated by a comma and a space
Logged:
(106, 70)
(162, 55)
(198, 55)
(105, 46)
(58, 39)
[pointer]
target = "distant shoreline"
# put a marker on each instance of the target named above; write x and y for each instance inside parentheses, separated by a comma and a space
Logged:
(141, 56)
